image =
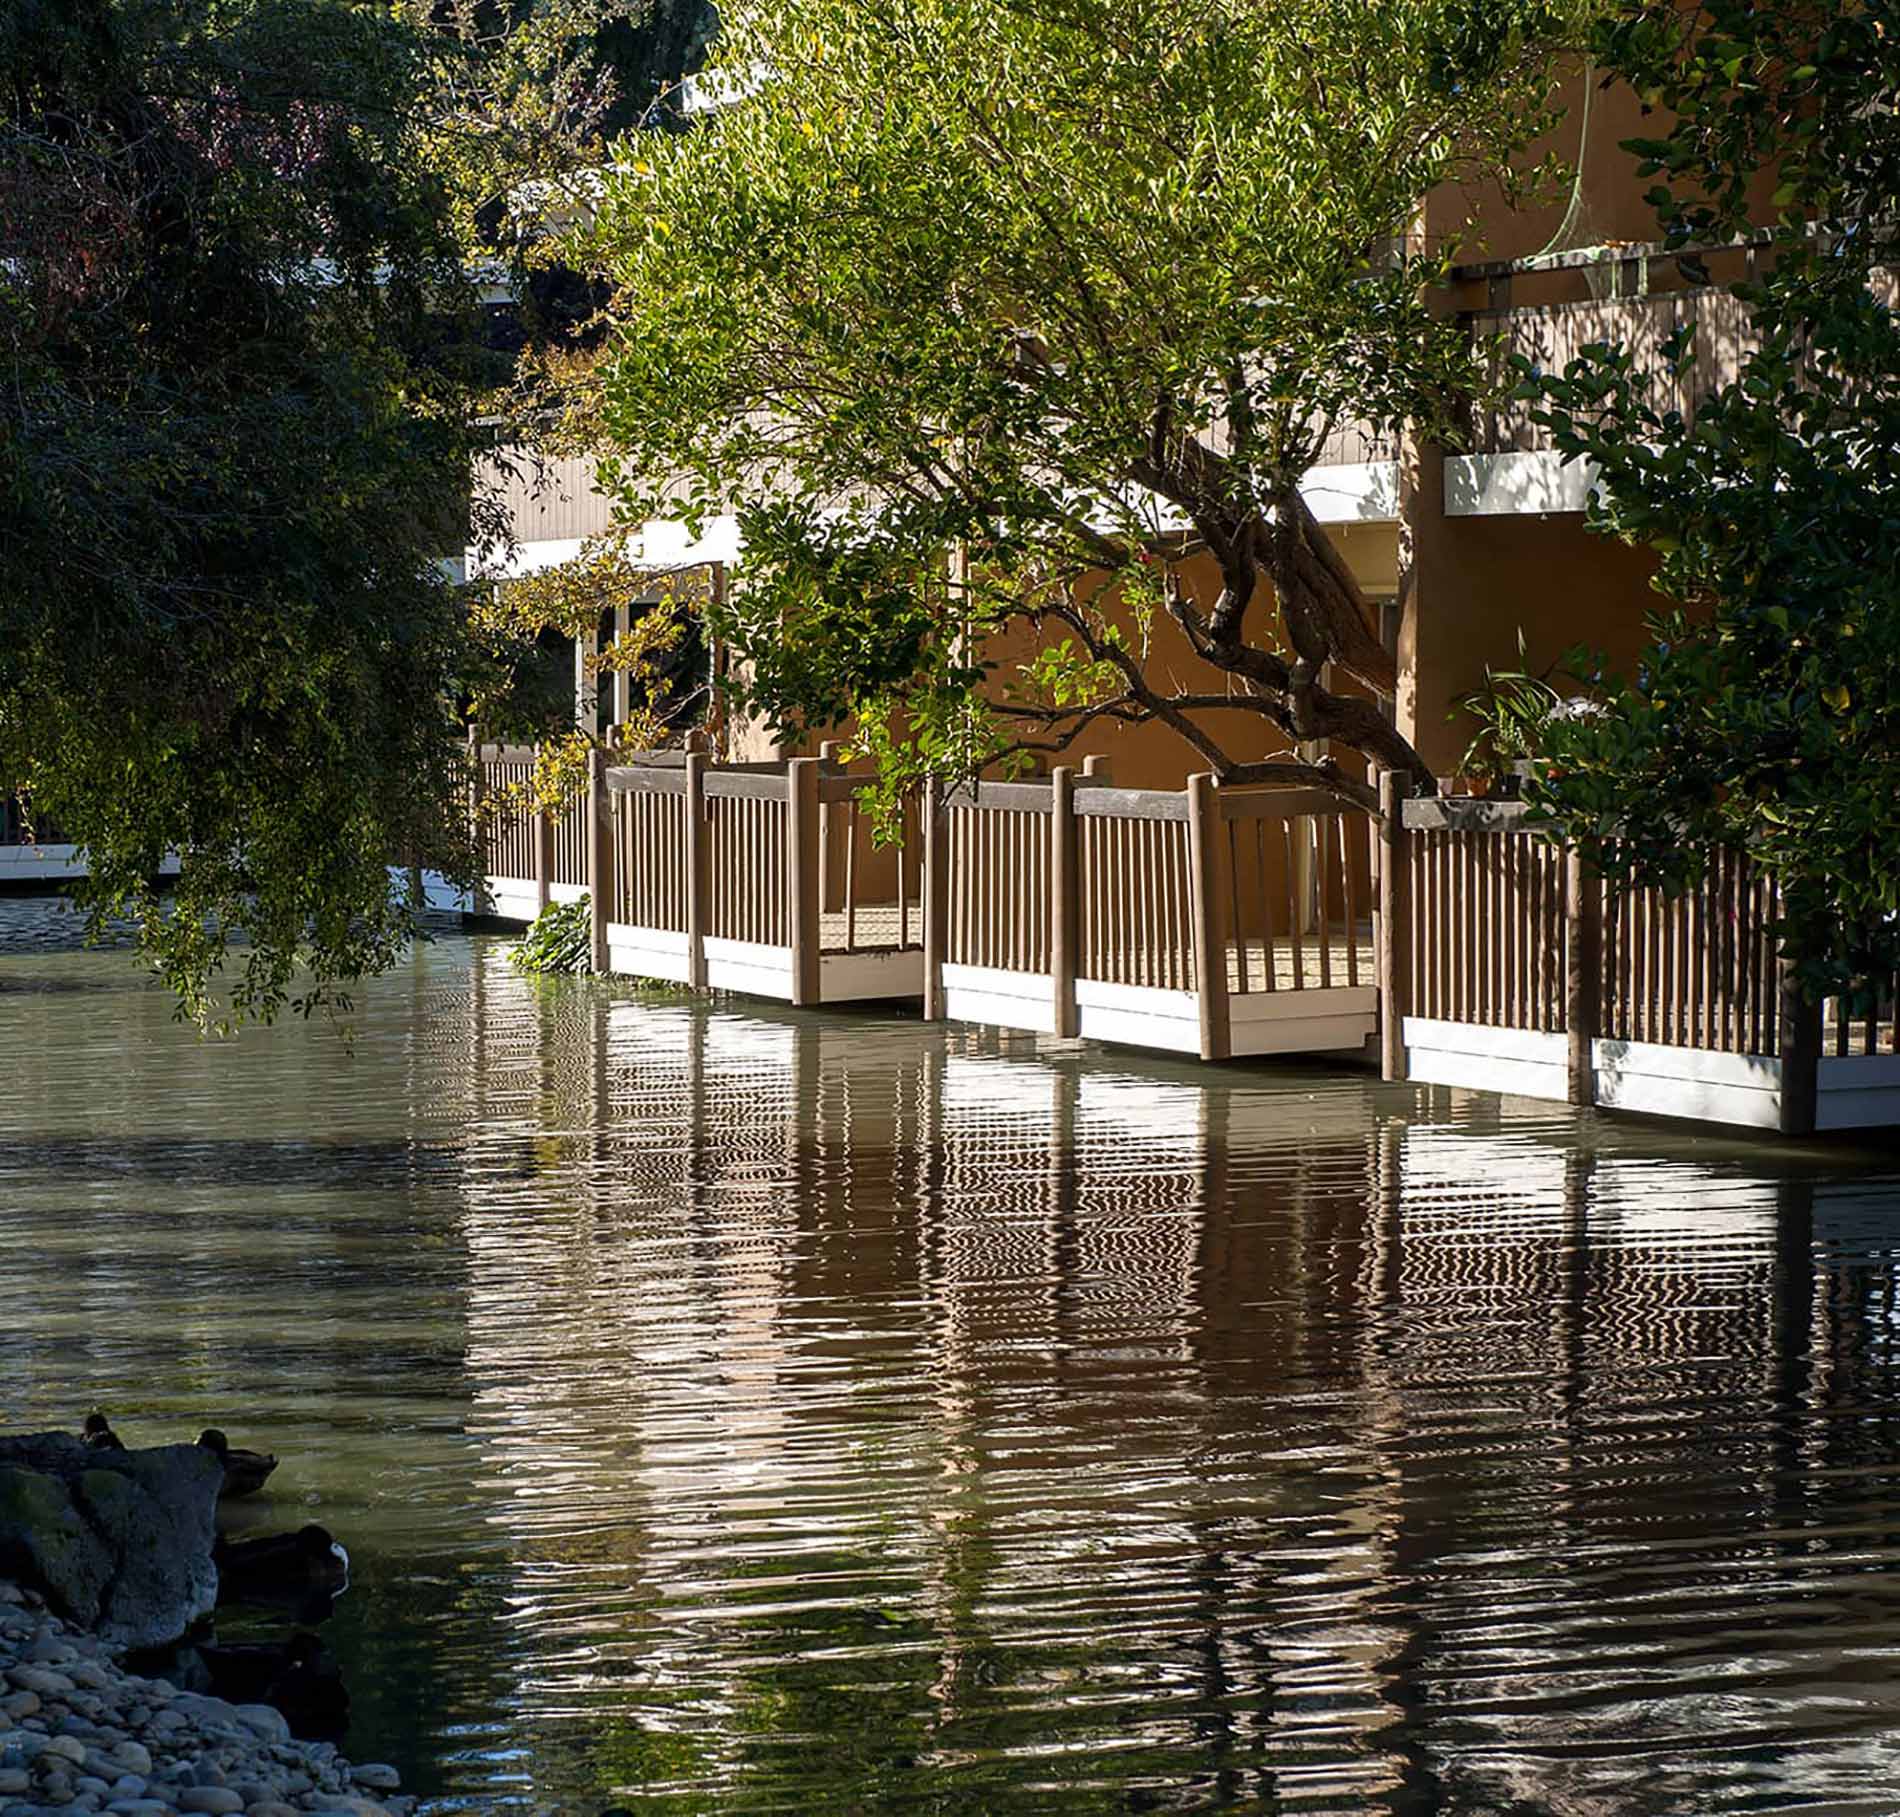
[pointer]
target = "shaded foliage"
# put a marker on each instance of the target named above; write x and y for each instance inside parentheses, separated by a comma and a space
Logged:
(1766, 711)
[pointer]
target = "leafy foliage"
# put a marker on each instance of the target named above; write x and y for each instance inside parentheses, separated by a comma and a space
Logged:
(1766, 711)
(243, 367)
(1077, 289)
(558, 940)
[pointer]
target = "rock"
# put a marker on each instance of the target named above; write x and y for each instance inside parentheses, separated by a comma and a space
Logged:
(214, 1800)
(376, 1776)
(269, 1807)
(116, 1541)
(67, 1747)
(263, 1721)
(43, 1681)
(14, 1780)
(133, 1756)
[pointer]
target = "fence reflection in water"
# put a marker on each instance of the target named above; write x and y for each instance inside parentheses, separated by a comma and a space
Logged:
(965, 1421)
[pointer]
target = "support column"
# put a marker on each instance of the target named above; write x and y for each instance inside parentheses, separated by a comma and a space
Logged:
(801, 881)
(1210, 949)
(698, 896)
(1583, 979)
(620, 709)
(936, 896)
(1064, 897)
(600, 858)
(1395, 926)
(543, 861)
(1800, 1035)
(587, 682)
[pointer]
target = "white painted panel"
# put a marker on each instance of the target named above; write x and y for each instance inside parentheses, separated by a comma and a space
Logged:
(1744, 1072)
(1138, 1028)
(868, 977)
(1303, 1035)
(55, 863)
(507, 900)
(1301, 1005)
(1858, 1072)
(30, 863)
(1481, 1042)
(1741, 1106)
(1488, 1072)
(1003, 999)
(1136, 999)
(750, 968)
(646, 952)
(999, 1012)
(1878, 1107)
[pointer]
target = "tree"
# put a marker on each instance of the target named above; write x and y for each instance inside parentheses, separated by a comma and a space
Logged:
(1078, 289)
(243, 373)
(1765, 715)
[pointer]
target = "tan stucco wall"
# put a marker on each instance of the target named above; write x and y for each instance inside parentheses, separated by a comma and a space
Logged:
(1478, 581)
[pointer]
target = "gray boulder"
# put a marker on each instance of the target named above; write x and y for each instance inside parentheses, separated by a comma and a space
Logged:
(116, 1541)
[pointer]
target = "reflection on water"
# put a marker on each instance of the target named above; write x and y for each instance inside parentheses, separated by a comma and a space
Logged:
(734, 1411)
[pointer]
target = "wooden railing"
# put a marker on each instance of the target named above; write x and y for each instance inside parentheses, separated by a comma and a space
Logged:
(1488, 928)
(1495, 927)
(776, 857)
(1184, 908)
(518, 844)
(1699, 971)
(1865, 1023)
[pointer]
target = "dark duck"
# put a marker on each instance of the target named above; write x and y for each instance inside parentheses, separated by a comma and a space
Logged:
(281, 1567)
(244, 1471)
(296, 1676)
(98, 1433)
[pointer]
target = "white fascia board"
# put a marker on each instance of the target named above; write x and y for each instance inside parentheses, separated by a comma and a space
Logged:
(1353, 492)
(1516, 485)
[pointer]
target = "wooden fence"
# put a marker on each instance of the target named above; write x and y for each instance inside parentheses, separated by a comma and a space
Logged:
(1207, 921)
(1515, 969)
(756, 877)
(529, 858)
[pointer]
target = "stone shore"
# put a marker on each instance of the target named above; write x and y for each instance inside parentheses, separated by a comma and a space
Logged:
(79, 1733)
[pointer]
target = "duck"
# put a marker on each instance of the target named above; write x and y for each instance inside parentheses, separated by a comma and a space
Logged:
(244, 1471)
(98, 1435)
(279, 1566)
(297, 1677)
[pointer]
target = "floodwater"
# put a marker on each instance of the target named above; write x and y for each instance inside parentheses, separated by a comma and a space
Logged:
(760, 1411)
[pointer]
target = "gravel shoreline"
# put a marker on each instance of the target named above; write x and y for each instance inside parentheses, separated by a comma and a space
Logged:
(79, 1733)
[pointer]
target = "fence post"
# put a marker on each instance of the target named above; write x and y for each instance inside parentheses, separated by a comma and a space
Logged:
(802, 855)
(827, 755)
(1800, 1041)
(600, 857)
(1064, 896)
(1583, 975)
(697, 894)
(936, 903)
(543, 861)
(1395, 925)
(477, 833)
(1097, 768)
(1210, 950)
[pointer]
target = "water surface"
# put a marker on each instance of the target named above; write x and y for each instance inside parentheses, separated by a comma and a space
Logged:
(735, 1410)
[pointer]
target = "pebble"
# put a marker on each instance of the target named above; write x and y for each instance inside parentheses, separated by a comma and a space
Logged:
(213, 1800)
(42, 1679)
(69, 1722)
